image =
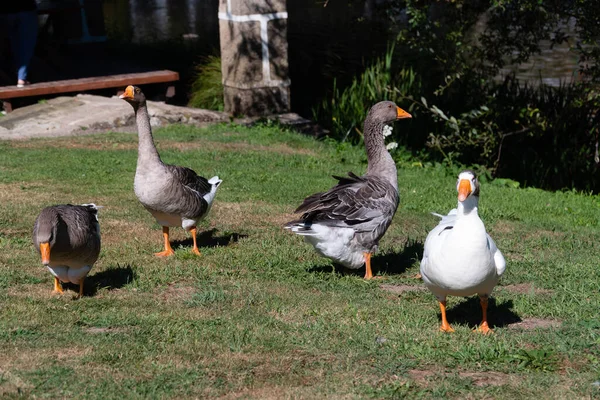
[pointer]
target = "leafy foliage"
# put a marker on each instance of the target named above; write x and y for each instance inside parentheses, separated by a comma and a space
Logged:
(207, 89)
(463, 112)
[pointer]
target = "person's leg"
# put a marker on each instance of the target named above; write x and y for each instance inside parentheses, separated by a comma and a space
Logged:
(27, 31)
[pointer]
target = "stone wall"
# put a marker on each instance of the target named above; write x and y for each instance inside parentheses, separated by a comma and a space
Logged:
(254, 56)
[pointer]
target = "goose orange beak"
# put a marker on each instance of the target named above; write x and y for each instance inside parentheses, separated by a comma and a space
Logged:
(128, 94)
(401, 114)
(464, 189)
(45, 252)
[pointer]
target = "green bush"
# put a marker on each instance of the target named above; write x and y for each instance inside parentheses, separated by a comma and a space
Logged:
(344, 113)
(207, 88)
(444, 71)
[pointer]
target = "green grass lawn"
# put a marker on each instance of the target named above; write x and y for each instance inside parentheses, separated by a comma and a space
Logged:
(259, 314)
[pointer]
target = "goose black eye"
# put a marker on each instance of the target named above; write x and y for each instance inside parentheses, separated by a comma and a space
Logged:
(390, 106)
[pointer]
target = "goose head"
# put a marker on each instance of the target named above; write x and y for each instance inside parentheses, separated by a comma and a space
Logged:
(134, 96)
(376, 125)
(385, 112)
(467, 185)
(46, 232)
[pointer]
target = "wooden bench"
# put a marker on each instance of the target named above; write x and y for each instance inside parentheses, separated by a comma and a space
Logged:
(7, 93)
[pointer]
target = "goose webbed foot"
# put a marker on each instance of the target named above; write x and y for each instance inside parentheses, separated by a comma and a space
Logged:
(445, 327)
(57, 286)
(368, 272)
(195, 250)
(484, 328)
(168, 250)
(80, 295)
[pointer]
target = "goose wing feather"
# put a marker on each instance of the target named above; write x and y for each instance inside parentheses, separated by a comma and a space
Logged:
(188, 191)
(190, 179)
(499, 260)
(366, 204)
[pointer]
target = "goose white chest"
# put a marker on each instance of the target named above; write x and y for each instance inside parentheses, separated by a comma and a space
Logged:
(459, 260)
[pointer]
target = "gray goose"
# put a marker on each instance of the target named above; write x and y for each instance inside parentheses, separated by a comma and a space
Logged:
(175, 196)
(68, 239)
(346, 223)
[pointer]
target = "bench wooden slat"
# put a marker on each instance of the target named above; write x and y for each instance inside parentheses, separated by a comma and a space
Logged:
(98, 82)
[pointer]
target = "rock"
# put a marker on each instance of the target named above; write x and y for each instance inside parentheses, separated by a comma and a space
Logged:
(86, 114)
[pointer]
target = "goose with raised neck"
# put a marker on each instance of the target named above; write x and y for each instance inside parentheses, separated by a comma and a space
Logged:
(459, 257)
(175, 196)
(346, 223)
(67, 237)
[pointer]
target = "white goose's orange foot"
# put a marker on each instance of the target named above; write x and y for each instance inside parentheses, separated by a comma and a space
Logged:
(417, 276)
(196, 251)
(445, 327)
(484, 327)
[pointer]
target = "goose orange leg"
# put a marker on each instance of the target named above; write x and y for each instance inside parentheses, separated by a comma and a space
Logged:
(57, 286)
(484, 327)
(445, 325)
(81, 288)
(368, 272)
(168, 250)
(195, 249)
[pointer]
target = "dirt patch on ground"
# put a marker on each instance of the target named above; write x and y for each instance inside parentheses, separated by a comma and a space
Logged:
(484, 378)
(279, 148)
(73, 143)
(176, 293)
(25, 193)
(12, 384)
(536, 323)
(400, 289)
(96, 144)
(525, 288)
(96, 330)
(116, 231)
(248, 213)
(503, 227)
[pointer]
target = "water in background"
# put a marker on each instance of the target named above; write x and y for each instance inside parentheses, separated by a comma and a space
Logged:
(150, 21)
(554, 65)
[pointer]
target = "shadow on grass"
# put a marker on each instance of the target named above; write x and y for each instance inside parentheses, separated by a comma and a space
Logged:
(469, 312)
(111, 278)
(389, 263)
(398, 263)
(208, 239)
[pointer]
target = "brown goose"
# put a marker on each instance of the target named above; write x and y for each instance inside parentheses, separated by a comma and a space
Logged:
(174, 195)
(346, 222)
(68, 239)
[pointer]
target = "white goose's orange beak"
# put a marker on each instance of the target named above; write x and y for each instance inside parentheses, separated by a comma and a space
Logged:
(464, 189)
(128, 94)
(45, 251)
(401, 114)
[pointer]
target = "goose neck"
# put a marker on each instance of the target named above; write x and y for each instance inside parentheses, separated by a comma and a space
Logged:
(468, 208)
(147, 152)
(380, 162)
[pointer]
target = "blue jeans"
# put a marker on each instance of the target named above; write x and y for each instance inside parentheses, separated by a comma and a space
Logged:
(22, 28)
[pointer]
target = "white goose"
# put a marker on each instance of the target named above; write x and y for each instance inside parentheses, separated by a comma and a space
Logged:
(175, 196)
(345, 223)
(460, 258)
